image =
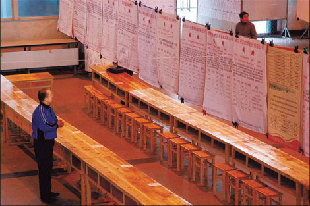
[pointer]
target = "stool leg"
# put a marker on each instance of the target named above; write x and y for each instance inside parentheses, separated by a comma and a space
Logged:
(189, 167)
(237, 192)
(161, 149)
(182, 159)
(268, 200)
(201, 172)
(214, 176)
(178, 158)
(194, 169)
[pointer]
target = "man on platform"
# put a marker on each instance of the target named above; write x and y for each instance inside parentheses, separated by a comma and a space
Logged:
(44, 132)
(245, 27)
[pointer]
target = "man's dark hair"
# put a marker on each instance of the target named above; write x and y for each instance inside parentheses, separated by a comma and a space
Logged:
(242, 14)
(42, 94)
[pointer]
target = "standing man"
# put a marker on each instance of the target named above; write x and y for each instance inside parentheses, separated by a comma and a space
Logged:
(44, 132)
(245, 27)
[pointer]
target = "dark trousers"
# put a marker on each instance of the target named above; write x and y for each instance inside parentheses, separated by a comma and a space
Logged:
(44, 155)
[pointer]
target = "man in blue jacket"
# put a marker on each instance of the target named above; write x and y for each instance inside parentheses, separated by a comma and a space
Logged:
(44, 132)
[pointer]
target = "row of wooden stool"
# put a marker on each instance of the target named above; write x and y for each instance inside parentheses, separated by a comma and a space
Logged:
(237, 187)
(121, 119)
(180, 149)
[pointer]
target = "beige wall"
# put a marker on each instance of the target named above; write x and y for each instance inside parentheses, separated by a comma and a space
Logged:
(30, 30)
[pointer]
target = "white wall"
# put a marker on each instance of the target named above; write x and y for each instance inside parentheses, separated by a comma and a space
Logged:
(30, 30)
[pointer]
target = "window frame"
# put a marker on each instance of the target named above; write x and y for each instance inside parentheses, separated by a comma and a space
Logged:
(15, 16)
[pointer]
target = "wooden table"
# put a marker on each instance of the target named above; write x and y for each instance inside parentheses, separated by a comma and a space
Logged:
(118, 84)
(32, 81)
(124, 183)
(157, 105)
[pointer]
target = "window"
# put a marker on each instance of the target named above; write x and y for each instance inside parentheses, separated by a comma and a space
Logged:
(30, 8)
(6, 9)
(260, 26)
(187, 9)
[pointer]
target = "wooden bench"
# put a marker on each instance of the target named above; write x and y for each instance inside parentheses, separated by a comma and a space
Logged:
(97, 165)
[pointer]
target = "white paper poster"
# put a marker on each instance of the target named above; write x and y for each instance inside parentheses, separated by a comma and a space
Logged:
(79, 20)
(306, 104)
(92, 58)
(65, 17)
(127, 35)
(147, 45)
(109, 29)
(168, 51)
(193, 62)
(227, 10)
(217, 92)
(94, 24)
(249, 106)
(167, 6)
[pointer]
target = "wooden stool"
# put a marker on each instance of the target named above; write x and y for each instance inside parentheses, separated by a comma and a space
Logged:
(150, 131)
(104, 109)
(138, 129)
(120, 119)
(175, 148)
(129, 121)
(86, 97)
(164, 142)
(222, 168)
(233, 180)
(98, 109)
(268, 196)
(200, 160)
(112, 114)
(186, 153)
(249, 192)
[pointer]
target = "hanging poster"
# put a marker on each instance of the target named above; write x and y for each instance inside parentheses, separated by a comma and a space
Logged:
(147, 45)
(193, 62)
(168, 51)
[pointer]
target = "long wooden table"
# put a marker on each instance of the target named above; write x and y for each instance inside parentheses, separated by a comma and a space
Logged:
(263, 160)
(157, 105)
(97, 165)
(118, 84)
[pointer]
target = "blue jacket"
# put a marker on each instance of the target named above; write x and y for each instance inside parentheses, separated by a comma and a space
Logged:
(44, 122)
